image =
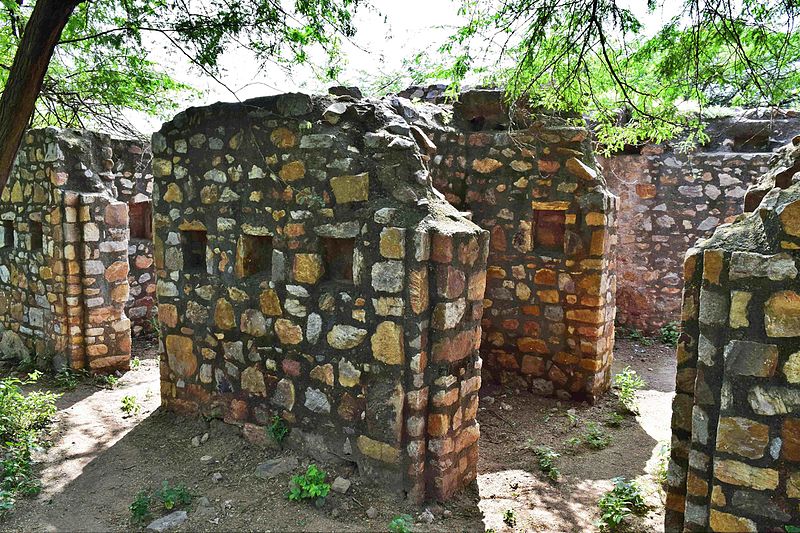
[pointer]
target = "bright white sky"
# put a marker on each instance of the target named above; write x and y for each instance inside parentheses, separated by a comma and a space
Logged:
(393, 30)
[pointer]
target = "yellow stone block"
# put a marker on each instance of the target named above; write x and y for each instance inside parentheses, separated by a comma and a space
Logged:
(270, 303)
(347, 189)
(377, 450)
(392, 243)
(738, 312)
(387, 343)
(790, 218)
(173, 194)
(308, 268)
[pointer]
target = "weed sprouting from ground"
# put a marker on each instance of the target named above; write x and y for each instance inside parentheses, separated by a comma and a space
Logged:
(595, 437)
(634, 335)
(23, 419)
(660, 472)
(547, 461)
(624, 499)
(140, 508)
(309, 486)
(669, 334)
(173, 496)
(136, 363)
(277, 429)
(170, 497)
(130, 406)
(509, 518)
(627, 383)
(614, 420)
(401, 524)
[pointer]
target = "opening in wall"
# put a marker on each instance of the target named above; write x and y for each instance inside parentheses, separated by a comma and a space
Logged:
(338, 258)
(140, 219)
(8, 234)
(36, 236)
(254, 255)
(549, 227)
(194, 243)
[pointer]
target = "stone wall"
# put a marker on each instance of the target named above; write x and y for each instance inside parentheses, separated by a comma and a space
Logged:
(64, 264)
(669, 200)
(548, 322)
(735, 460)
(307, 269)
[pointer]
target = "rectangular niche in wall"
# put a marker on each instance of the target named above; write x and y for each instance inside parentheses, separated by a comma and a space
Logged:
(338, 259)
(253, 256)
(140, 220)
(549, 226)
(193, 243)
(36, 236)
(8, 234)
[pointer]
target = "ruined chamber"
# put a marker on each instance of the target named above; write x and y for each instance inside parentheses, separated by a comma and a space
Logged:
(735, 462)
(66, 245)
(307, 270)
(548, 323)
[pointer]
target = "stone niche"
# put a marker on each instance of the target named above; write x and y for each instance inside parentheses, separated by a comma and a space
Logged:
(548, 323)
(64, 276)
(735, 463)
(307, 269)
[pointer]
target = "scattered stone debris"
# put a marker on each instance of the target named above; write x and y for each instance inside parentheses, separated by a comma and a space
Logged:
(340, 485)
(276, 467)
(170, 521)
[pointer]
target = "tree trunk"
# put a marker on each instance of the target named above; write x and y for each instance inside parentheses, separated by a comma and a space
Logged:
(39, 39)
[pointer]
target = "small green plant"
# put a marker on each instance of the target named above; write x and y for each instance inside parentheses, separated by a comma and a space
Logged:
(669, 334)
(136, 363)
(173, 496)
(66, 379)
(23, 421)
(509, 518)
(310, 485)
(130, 406)
(401, 524)
(614, 420)
(627, 383)
(109, 380)
(635, 335)
(572, 419)
(620, 502)
(155, 325)
(791, 529)
(140, 508)
(572, 444)
(662, 465)
(278, 429)
(595, 437)
(547, 461)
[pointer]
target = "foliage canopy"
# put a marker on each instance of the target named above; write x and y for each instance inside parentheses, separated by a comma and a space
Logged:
(100, 67)
(599, 58)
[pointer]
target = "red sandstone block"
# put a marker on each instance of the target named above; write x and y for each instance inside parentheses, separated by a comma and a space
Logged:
(116, 214)
(467, 437)
(442, 248)
(456, 348)
(291, 367)
(438, 424)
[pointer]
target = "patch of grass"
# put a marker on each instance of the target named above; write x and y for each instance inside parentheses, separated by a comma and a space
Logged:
(660, 472)
(572, 444)
(627, 383)
(635, 335)
(547, 461)
(614, 420)
(670, 333)
(66, 379)
(309, 486)
(173, 496)
(401, 524)
(136, 363)
(167, 498)
(278, 429)
(23, 420)
(595, 437)
(140, 508)
(109, 380)
(620, 502)
(130, 406)
(509, 518)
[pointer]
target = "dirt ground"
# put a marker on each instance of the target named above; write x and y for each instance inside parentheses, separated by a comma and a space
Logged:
(100, 458)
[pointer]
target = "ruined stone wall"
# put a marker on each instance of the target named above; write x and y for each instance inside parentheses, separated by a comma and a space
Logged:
(133, 184)
(548, 322)
(735, 459)
(308, 270)
(63, 264)
(669, 200)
